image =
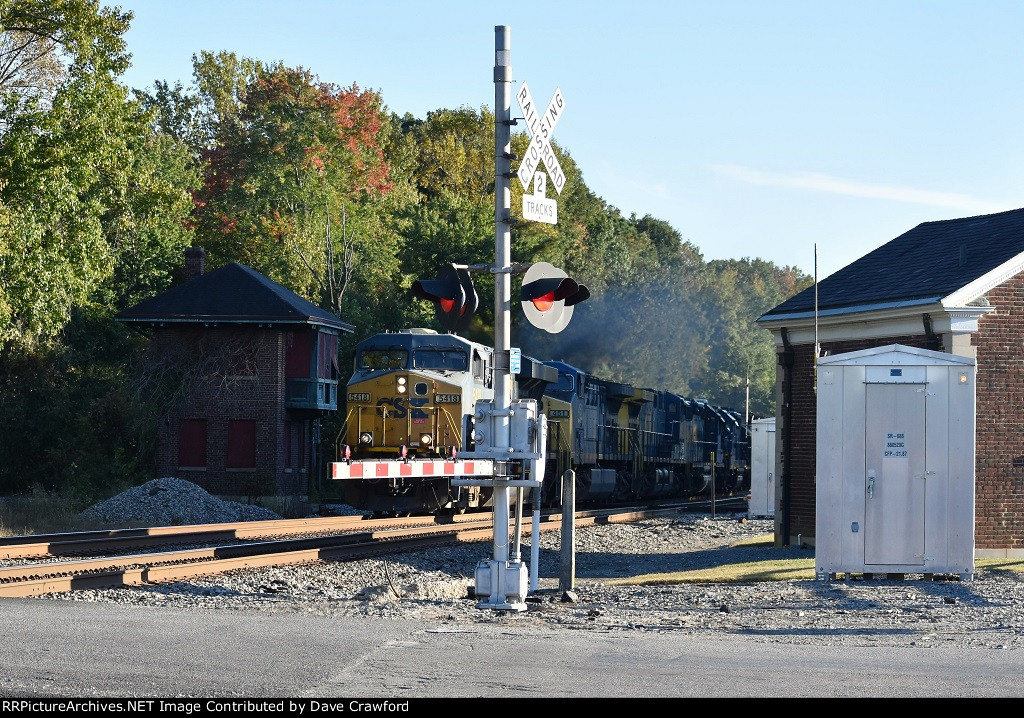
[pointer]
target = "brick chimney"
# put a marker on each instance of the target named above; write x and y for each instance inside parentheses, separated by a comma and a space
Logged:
(195, 262)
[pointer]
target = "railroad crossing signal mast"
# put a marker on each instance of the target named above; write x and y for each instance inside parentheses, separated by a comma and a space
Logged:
(512, 433)
(501, 582)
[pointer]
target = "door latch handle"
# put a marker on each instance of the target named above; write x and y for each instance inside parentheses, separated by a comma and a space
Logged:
(871, 483)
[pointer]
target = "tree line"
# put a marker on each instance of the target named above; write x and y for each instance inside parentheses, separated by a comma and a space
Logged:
(325, 190)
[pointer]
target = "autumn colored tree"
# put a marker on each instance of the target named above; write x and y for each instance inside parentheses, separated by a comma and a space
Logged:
(292, 170)
(324, 190)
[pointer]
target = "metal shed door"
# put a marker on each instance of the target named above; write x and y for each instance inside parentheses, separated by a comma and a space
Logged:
(895, 465)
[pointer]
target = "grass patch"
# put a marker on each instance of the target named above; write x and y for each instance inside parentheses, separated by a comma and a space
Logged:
(1014, 565)
(795, 569)
(763, 541)
(41, 511)
(789, 569)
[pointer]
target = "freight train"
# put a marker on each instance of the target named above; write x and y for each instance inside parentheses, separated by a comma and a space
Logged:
(409, 410)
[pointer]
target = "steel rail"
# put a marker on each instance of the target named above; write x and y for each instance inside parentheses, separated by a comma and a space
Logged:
(107, 541)
(85, 542)
(146, 569)
(142, 569)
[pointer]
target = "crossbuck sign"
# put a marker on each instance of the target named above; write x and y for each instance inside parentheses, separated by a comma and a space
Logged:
(542, 126)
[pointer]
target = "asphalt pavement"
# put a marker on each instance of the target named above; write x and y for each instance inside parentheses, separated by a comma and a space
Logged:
(88, 650)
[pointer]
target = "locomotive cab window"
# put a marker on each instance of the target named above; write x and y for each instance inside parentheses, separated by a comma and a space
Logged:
(480, 369)
(434, 358)
(383, 359)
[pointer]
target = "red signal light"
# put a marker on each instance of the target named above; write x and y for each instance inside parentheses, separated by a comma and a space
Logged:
(545, 302)
(455, 300)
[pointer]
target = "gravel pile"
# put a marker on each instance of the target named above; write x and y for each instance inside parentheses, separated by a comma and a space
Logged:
(436, 585)
(171, 502)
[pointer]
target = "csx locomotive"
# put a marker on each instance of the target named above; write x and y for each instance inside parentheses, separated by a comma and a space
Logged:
(410, 403)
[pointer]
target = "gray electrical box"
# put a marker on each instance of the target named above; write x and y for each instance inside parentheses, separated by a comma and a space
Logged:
(895, 463)
(762, 468)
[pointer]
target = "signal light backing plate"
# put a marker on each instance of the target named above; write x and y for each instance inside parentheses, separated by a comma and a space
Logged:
(548, 295)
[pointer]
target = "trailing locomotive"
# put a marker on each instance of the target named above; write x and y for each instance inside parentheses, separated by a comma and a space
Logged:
(410, 402)
(625, 442)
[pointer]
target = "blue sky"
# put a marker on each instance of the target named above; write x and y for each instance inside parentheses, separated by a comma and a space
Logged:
(773, 130)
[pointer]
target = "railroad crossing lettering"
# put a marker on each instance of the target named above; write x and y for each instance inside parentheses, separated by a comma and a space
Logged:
(541, 127)
(540, 209)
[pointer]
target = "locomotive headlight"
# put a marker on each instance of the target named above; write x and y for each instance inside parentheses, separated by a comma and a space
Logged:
(366, 438)
(401, 388)
(425, 439)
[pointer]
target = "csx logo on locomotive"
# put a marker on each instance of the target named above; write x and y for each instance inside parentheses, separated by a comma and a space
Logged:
(395, 408)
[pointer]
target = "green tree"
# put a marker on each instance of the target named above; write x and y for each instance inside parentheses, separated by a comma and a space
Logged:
(66, 130)
(452, 218)
(93, 206)
(736, 293)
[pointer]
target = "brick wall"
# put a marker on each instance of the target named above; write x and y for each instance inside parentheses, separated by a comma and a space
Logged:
(999, 436)
(999, 444)
(229, 374)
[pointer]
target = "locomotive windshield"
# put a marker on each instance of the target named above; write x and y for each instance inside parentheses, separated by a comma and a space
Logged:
(434, 358)
(383, 359)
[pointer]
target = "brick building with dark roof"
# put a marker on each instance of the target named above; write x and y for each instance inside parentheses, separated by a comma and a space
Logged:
(955, 286)
(252, 367)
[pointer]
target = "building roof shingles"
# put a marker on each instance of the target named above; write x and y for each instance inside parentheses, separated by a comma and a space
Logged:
(932, 260)
(233, 293)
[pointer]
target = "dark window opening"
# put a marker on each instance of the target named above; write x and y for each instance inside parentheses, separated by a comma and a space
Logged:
(297, 360)
(192, 442)
(241, 449)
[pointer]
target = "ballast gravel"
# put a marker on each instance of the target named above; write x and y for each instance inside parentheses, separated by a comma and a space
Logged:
(436, 585)
(172, 502)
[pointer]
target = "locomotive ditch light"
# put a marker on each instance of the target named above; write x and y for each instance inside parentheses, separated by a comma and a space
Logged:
(366, 438)
(454, 297)
(548, 296)
(425, 439)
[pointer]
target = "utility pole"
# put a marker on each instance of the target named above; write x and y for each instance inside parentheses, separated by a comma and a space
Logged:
(746, 407)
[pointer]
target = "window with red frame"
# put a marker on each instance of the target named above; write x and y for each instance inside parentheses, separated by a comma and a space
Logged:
(241, 449)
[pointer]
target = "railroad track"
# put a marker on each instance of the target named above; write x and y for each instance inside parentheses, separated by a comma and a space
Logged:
(249, 545)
